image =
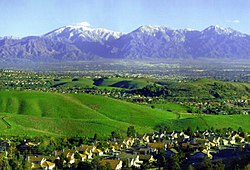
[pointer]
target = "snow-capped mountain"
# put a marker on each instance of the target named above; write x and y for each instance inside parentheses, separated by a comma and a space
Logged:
(83, 32)
(215, 29)
(152, 41)
(81, 42)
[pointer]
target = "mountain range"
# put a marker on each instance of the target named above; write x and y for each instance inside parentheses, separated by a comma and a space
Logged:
(79, 42)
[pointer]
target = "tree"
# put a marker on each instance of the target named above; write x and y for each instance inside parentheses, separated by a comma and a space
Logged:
(219, 165)
(131, 131)
(60, 162)
(189, 131)
(240, 129)
(190, 167)
(161, 160)
(174, 163)
(108, 166)
(84, 165)
(207, 164)
(4, 163)
(115, 135)
(95, 137)
(77, 156)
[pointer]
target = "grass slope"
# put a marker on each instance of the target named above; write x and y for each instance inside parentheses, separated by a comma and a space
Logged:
(79, 82)
(36, 113)
(127, 83)
(203, 87)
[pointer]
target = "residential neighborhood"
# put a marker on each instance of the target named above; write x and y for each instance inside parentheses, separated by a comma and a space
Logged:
(149, 151)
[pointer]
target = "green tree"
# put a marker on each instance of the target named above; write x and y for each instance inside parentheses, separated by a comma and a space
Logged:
(4, 163)
(131, 131)
(174, 163)
(190, 167)
(189, 131)
(108, 166)
(95, 137)
(84, 165)
(207, 164)
(219, 165)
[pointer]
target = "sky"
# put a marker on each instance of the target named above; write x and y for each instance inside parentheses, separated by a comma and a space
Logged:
(21, 18)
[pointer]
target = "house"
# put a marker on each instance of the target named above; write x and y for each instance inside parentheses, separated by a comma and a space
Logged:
(145, 138)
(208, 153)
(115, 146)
(84, 157)
(130, 159)
(106, 150)
(185, 145)
(31, 144)
(216, 141)
(155, 147)
(147, 158)
(184, 136)
(115, 164)
(199, 141)
(85, 151)
(144, 151)
(84, 148)
(98, 152)
(128, 142)
(174, 135)
(68, 153)
(48, 165)
(232, 141)
(238, 138)
(40, 162)
(225, 142)
(163, 135)
(36, 161)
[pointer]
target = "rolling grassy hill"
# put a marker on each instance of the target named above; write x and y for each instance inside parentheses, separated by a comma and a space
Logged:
(208, 88)
(77, 82)
(201, 88)
(36, 113)
(127, 83)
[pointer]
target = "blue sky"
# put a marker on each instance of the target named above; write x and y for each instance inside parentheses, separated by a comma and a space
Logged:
(36, 17)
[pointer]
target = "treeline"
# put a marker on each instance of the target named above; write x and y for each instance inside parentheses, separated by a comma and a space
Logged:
(196, 90)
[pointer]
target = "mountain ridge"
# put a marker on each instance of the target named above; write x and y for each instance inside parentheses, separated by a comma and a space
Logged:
(81, 42)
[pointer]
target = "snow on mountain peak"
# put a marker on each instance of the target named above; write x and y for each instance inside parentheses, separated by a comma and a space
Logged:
(79, 26)
(151, 28)
(219, 29)
(84, 31)
(223, 31)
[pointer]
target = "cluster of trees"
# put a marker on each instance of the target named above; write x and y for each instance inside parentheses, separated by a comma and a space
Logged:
(13, 159)
(153, 90)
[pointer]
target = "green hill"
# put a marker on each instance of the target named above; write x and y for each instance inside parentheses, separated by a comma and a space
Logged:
(75, 82)
(207, 88)
(36, 113)
(127, 83)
